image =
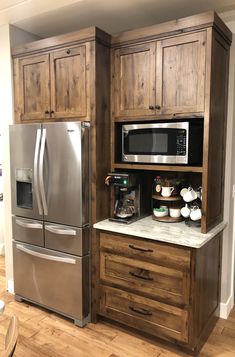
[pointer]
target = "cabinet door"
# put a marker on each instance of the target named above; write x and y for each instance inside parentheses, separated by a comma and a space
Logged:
(68, 83)
(134, 81)
(180, 79)
(32, 92)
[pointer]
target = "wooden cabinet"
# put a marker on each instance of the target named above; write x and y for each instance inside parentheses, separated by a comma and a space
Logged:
(54, 85)
(166, 290)
(162, 77)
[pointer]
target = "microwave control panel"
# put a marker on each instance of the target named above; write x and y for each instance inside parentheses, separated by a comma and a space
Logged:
(181, 144)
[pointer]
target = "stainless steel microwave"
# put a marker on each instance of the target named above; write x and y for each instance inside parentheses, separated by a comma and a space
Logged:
(163, 143)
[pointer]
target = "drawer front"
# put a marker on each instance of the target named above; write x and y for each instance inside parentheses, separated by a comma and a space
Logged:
(164, 254)
(55, 280)
(28, 230)
(145, 278)
(144, 314)
(66, 239)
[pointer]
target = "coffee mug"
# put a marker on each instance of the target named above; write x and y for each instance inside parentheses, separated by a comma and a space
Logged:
(175, 212)
(195, 213)
(185, 211)
(190, 195)
(183, 191)
(167, 191)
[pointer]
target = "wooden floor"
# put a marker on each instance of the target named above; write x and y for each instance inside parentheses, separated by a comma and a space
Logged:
(43, 333)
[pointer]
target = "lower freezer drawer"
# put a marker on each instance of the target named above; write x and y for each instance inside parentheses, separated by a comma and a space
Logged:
(55, 280)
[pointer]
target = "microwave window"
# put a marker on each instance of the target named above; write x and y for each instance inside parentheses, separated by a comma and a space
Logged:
(152, 141)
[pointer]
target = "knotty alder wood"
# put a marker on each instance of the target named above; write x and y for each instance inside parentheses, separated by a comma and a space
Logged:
(32, 89)
(43, 334)
(136, 273)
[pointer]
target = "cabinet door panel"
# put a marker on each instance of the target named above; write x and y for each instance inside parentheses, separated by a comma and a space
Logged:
(134, 71)
(68, 82)
(32, 92)
(181, 74)
(147, 315)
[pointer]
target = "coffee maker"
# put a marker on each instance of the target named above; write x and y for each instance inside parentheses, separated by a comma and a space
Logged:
(128, 197)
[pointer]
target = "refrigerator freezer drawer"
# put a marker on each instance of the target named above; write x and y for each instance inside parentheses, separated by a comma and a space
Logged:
(71, 240)
(57, 281)
(28, 230)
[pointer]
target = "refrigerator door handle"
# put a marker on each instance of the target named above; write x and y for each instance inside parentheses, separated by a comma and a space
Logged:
(69, 232)
(35, 171)
(41, 180)
(45, 256)
(29, 225)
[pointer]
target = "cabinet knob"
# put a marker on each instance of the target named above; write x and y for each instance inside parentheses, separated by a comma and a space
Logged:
(151, 107)
(157, 107)
(52, 112)
(68, 51)
(47, 112)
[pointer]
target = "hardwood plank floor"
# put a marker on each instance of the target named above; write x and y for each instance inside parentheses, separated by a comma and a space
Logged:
(43, 333)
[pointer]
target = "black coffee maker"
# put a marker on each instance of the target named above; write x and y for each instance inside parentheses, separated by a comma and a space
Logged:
(128, 197)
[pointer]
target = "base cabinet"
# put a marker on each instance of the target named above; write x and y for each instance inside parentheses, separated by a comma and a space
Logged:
(165, 290)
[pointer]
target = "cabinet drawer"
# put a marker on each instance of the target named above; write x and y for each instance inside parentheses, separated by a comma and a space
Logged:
(146, 278)
(144, 314)
(163, 254)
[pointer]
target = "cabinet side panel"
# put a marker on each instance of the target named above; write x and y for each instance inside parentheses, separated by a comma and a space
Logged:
(217, 132)
(206, 291)
(100, 144)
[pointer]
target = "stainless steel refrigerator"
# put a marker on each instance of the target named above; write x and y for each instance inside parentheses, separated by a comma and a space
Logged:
(50, 216)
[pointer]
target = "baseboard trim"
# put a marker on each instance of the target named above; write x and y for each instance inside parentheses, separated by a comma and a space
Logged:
(10, 286)
(225, 308)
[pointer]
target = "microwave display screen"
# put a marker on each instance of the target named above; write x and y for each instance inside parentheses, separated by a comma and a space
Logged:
(153, 141)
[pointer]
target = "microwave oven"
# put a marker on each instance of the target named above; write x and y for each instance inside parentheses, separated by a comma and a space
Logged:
(163, 142)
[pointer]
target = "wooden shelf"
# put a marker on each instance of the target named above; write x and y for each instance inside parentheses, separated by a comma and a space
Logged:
(168, 219)
(170, 199)
(154, 167)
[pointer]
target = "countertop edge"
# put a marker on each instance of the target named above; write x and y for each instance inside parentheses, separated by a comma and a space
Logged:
(168, 238)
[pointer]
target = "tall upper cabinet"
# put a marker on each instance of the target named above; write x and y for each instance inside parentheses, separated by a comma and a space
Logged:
(67, 77)
(177, 70)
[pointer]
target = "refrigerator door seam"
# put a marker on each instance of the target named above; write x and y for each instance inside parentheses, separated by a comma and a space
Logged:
(41, 180)
(45, 256)
(35, 170)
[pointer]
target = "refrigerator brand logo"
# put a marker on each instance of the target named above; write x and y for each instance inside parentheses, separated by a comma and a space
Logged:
(70, 130)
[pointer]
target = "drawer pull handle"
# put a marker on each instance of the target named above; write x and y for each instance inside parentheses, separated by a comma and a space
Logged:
(141, 311)
(140, 249)
(136, 275)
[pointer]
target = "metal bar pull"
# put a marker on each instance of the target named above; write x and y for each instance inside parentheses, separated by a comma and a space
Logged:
(35, 171)
(142, 274)
(53, 229)
(140, 249)
(41, 178)
(29, 225)
(45, 256)
(141, 311)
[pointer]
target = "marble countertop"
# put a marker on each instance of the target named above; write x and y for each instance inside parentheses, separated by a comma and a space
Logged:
(175, 233)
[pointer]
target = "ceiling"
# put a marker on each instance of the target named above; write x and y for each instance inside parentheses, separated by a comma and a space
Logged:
(47, 18)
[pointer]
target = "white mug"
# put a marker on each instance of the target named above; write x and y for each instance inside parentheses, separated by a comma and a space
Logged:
(167, 191)
(165, 208)
(175, 212)
(196, 213)
(190, 195)
(185, 211)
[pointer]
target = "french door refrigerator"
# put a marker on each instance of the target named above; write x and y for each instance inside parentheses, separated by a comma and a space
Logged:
(50, 216)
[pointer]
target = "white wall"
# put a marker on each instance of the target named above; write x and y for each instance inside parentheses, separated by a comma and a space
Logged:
(6, 105)
(227, 286)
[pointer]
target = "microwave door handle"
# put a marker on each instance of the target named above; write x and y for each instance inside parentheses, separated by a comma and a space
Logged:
(41, 172)
(35, 171)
